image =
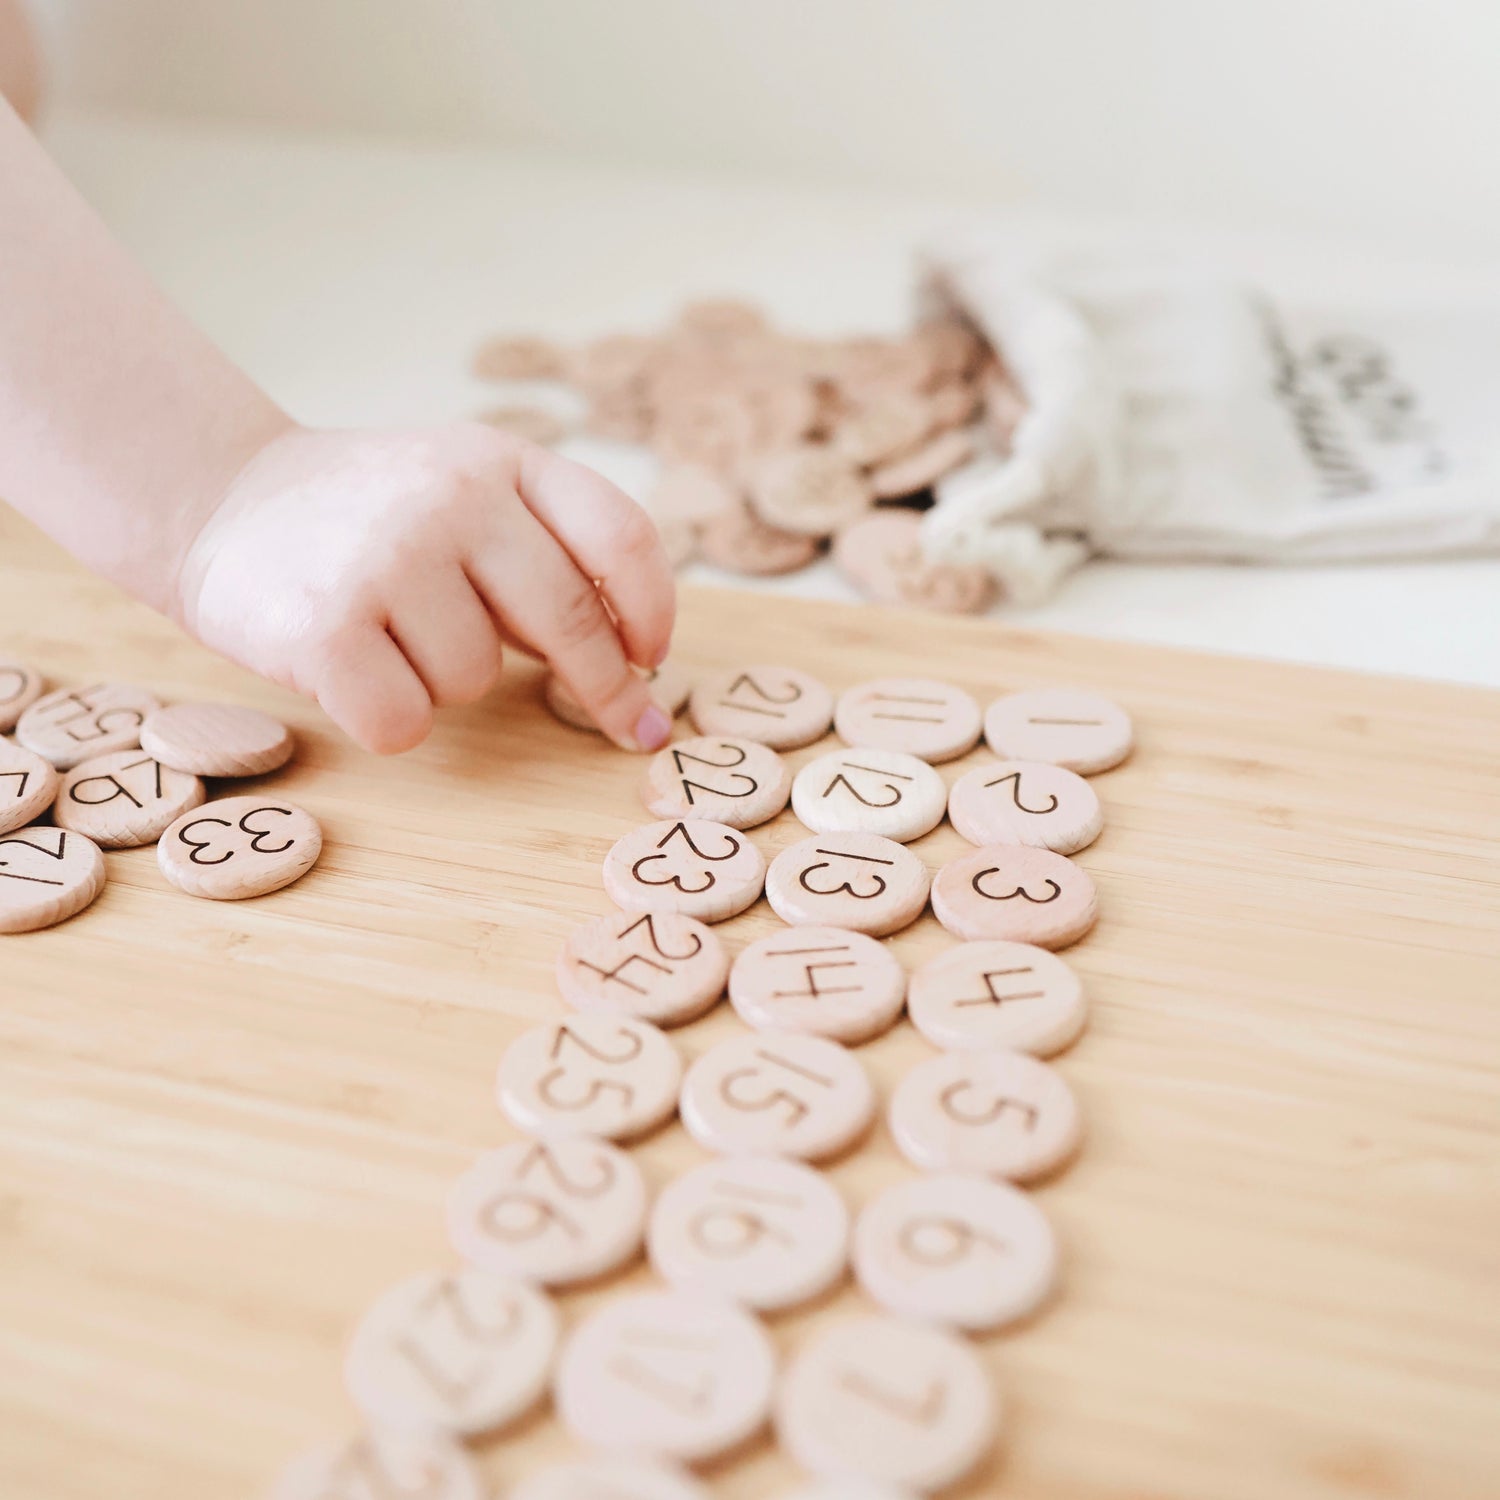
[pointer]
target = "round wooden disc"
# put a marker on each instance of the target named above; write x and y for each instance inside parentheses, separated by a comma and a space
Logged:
(661, 966)
(1004, 1114)
(740, 783)
(702, 869)
(124, 800)
(864, 790)
(216, 739)
(20, 687)
(397, 1465)
(46, 876)
(239, 847)
(670, 686)
(1017, 893)
(28, 786)
(926, 718)
(1026, 802)
(782, 707)
(857, 881)
(1064, 726)
(73, 725)
(823, 981)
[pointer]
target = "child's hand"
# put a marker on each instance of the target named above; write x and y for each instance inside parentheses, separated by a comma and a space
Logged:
(380, 573)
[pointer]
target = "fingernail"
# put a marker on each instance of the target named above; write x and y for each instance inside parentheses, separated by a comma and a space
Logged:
(661, 656)
(653, 729)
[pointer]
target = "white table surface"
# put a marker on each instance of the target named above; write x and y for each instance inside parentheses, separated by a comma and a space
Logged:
(353, 280)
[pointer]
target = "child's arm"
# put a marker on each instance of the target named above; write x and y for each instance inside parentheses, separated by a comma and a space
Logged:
(377, 572)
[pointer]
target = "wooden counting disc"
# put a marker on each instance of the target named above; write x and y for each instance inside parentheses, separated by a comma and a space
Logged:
(613, 1478)
(932, 720)
(733, 781)
(124, 800)
(669, 685)
(765, 1233)
(780, 706)
(923, 467)
(461, 1352)
(864, 790)
(216, 739)
(1026, 802)
(70, 726)
(667, 1374)
(775, 1093)
(701, 869)
(887, 1400)
(382, 1466)
(28, 786)
(608, 1076)
(809, 490)
(20, 687)
(739, 541)
(820, 981)
(978, 997)
(239, 847)
(882, 429)
(881, 555)
(857, 881)
(1000, 1113)
(661, 966)
(553, 1212)
(46, 876)
(960, 1250)
(1021, 894)
(1063, 726)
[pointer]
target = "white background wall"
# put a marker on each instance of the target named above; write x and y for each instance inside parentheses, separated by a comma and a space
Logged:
(1376, 118)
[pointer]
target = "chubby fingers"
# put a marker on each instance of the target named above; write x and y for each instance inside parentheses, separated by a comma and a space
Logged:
(370, 690)
(611, 541)
(535, 590)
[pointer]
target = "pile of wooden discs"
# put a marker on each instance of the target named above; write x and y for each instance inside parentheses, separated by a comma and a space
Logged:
(771, 445)
(109, 767)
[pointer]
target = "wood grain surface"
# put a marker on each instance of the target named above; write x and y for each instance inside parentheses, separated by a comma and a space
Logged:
(224, 1128)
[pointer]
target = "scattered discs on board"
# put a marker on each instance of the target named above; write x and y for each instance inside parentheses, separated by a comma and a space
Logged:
(776, 1093)
(1063, 726)
(919, 715)
(780, 706)
(664, 967)
(239, 847)
(957, 1249)
(759, 1230)
(124, 800)
(669, 686)
(553, 1212)
(881, 555)
(979, 997)
(216, 739)
(822, 981)
(858, 881)
(73, 725)
(702, 869)
(20, 687)
(456, 1351)
(668, 1374)
(614, 1478)
(864, 790)
(28, 786)
(384, 1466)
(1003, 1114)
(1026, 802)
(46, 876)
(613, 1077)
(887, 1400)
(518, 357)
(1017, 893)
(736, 782)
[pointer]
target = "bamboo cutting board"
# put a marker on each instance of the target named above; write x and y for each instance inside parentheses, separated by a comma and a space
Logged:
(224, 1128)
